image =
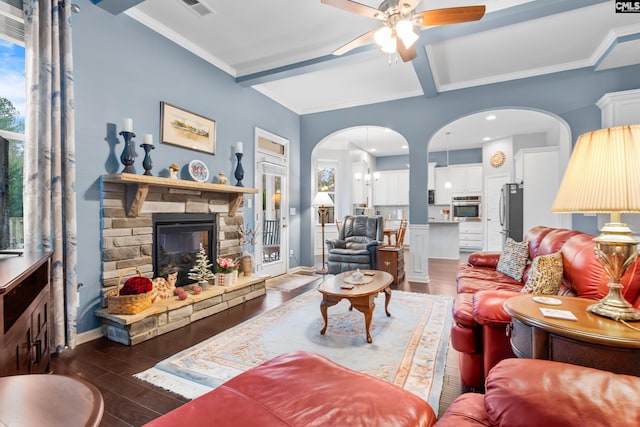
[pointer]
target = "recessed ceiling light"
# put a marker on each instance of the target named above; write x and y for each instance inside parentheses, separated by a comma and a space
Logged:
(387, 130)
(491, 117)
(486, 138)
(405, 146)
(372, 150)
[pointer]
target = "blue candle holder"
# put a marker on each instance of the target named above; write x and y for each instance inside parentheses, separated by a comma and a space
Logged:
(239, 174)
(128, 152)
(147, 164)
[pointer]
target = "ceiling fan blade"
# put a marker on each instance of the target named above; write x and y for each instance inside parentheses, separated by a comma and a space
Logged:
(353, 7)
(451, 15)
(406, 54)
(362, 40)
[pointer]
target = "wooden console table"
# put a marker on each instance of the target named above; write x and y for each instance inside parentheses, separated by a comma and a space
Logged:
(593, 341)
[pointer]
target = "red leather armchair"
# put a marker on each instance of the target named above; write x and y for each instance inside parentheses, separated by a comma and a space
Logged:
(531, 393)
(480, 333)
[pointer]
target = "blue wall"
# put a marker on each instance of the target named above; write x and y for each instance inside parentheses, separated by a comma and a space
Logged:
(572, 95)
(123, 69)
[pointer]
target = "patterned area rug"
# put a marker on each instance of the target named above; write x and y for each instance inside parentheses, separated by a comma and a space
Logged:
(408, 349)
(289, 282)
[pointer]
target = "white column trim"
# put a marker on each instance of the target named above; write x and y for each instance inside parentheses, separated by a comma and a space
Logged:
(417, 265)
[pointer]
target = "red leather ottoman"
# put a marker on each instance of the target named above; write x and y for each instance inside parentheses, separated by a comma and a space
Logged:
(302, 389)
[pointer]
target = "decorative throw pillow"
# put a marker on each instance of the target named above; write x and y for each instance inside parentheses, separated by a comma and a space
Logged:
(545, 276)
(513, 259)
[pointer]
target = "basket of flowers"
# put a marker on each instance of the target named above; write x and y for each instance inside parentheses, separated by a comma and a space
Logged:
(133, 297)
(225, 268)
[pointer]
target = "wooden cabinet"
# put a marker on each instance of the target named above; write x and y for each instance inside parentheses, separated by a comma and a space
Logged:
(391, 188)
(24, 314)
(391, 260)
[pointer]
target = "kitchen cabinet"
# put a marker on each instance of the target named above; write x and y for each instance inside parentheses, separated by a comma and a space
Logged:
(471, 235)
(443, 194)
(391, 188)
(465, 179)
(539, 188)
(431, 176)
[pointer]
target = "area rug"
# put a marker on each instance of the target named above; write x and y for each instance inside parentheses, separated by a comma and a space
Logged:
(289, 282)
(409, 348)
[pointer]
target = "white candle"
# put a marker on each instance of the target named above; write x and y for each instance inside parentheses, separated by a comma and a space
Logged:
(127, 125)
(238, 147)
(148, 138)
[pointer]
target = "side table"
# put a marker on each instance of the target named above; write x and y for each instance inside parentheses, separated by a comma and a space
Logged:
(391, 260)
(49, 400)
(591, 340)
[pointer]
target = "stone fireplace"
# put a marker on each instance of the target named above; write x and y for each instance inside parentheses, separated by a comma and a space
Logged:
(127, 241)
(129, 205)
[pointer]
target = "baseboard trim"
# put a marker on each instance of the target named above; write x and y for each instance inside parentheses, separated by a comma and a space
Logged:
(91, 335)
(302, 270)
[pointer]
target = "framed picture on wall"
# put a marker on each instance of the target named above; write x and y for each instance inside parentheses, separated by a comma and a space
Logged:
(185, 129)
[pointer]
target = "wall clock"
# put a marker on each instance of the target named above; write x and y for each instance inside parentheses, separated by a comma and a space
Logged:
(497, 159)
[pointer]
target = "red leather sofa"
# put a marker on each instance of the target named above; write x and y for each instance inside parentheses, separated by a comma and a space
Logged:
(531, 393)
(302, 389)
(479, 332)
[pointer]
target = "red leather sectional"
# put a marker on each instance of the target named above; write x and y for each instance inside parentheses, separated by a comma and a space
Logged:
(541, 393)
(479, 332)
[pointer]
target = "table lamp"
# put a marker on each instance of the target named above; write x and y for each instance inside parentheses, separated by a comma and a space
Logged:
(322, 201)
(603, 176)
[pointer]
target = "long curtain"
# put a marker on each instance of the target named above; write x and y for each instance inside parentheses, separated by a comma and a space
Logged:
(49, 157)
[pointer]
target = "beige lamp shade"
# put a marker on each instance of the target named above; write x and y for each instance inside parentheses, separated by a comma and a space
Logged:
(603, 174)
(322, 199)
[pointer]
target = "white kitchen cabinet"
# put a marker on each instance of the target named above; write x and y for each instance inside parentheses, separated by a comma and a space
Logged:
(442, 194)
(466, 179)
(538, 169)
(431, 176)
(471, 235)
(392, 188)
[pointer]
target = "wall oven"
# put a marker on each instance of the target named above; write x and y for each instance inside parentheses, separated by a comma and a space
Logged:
(466, 208)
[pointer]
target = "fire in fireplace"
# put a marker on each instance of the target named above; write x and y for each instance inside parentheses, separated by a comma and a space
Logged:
(176, 242)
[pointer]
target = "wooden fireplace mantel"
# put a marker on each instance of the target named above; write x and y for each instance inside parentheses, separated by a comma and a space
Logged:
(138, 188)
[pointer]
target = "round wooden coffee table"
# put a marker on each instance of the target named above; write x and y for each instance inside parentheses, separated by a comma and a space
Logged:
(361, 296)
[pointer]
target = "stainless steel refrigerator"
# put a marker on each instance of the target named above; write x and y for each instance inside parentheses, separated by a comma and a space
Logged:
(511, 211)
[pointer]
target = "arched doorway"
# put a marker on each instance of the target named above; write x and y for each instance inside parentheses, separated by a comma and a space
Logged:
(349, 164)
(517, 139)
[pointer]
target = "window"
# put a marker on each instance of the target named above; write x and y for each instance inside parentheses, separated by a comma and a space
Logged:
(12, 108)
(326, 181)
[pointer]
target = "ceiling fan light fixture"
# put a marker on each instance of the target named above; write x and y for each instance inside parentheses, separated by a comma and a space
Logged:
(382, 36)
(404, 28)
(390, 46)
(409, 39)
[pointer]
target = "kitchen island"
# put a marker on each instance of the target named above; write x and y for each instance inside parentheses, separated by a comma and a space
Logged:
(444, 239)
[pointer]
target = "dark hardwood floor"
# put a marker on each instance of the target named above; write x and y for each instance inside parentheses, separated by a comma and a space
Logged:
(130, 402)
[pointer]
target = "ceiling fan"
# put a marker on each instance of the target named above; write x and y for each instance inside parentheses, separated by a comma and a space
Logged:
(399, 20)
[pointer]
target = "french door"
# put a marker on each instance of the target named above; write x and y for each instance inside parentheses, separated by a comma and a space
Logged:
(272, 205)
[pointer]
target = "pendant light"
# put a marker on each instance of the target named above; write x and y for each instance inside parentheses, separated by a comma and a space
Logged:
(447, 183)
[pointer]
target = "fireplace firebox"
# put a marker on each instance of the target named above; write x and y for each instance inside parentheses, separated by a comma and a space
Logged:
(176, 242)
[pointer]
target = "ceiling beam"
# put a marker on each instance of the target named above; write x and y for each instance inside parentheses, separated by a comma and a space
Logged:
(116, 7)
(501, 18)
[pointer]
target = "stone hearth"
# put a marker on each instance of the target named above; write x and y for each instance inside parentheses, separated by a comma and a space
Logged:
(172, 313)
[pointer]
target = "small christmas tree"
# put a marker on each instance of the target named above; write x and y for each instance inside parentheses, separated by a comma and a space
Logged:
(201, 269)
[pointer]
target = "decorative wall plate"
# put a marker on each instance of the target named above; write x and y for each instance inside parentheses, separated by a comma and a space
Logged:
(497, 159)
(198, 170)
